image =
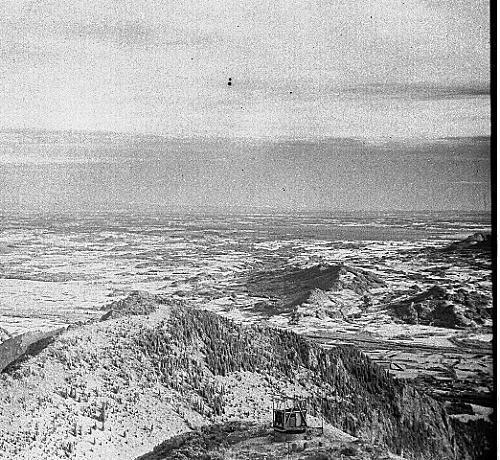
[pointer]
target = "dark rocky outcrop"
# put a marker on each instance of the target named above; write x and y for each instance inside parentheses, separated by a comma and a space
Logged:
(476, 242)
(442, 308)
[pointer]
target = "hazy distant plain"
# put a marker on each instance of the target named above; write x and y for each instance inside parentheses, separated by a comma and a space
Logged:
(61, 171)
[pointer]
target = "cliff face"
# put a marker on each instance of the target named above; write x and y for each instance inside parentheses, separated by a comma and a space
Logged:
(22, 345)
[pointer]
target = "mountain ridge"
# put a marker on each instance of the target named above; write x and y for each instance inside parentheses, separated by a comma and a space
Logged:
(118, 387)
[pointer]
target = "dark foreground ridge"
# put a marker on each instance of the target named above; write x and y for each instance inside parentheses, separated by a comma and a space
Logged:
(247, 441)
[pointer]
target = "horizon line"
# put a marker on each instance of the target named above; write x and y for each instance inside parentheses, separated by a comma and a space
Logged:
(173, 136)
(235, 208)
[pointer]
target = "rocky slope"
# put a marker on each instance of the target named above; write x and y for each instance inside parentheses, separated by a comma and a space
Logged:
(289, 286)
(473, 243)
(24, 345)
(440, 307)
(117, 388)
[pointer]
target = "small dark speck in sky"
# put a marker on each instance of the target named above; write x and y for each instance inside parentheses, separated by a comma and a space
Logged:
(229, 83)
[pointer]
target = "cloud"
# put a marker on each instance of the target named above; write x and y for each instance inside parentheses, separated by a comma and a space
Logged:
(124, 34)
(299, 68)
(420, 90)
(13, 160)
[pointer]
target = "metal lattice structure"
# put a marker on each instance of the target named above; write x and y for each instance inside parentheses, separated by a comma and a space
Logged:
(289, 414)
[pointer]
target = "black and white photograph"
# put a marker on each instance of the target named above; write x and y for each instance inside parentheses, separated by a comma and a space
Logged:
(238, 230)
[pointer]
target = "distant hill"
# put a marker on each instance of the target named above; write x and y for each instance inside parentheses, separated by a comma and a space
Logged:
(289, 286)
(443, 308)
(475, 242)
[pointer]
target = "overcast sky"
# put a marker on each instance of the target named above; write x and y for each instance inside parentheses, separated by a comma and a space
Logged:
(337, 104)
(377, 68)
